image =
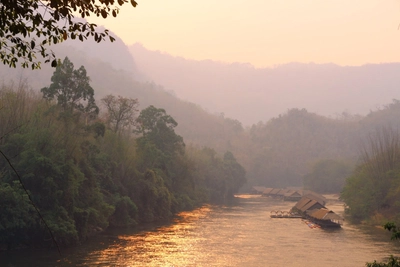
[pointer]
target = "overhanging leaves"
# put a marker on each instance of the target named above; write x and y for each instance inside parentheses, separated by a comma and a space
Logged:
(29, 27)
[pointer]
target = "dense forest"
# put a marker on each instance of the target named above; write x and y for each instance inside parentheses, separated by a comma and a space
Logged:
(301, 148)
(372, 191)
(87, 165)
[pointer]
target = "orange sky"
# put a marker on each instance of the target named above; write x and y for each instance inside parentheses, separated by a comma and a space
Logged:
(265, 32)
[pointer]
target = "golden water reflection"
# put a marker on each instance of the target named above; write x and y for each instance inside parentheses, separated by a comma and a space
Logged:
(165, 246)
(240, 235)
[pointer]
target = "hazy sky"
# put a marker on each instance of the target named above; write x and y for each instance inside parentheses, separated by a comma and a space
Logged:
(265, 32)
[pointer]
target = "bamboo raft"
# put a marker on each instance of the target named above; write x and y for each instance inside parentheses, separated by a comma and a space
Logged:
(284, 214)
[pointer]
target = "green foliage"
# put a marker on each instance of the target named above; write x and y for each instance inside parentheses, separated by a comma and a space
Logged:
(392, 227)
(184, 202)
(161, 152)
(284, 147)
(18, 216)
(62, 226)
(153, 197)
(214, 178)
(280, 152)
(84, 177)
(357, 196)
(125, 213)
(234, 172)
(28, 27)
(50, 164)
(98, 128)
(327, 176)
(17, 104)
(373, 188)
(392, 261)
(71, 88)
(158, 128)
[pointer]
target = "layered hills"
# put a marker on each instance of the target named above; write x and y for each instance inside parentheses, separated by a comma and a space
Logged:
(251, 95)
(278, 122)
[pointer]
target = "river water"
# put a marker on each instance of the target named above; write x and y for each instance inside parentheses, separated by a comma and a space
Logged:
(238, 235)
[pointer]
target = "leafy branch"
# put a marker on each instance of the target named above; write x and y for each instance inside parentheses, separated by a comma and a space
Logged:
(28, 27)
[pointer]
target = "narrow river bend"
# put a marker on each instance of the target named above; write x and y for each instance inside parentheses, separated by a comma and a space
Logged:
(240, 235)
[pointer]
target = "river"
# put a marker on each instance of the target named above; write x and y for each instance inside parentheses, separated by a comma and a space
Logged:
(238, 235)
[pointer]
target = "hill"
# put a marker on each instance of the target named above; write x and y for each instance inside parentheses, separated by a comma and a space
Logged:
(251, 95)
(116, 73)
(276, 152)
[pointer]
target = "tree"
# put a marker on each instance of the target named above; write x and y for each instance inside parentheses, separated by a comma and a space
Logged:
(159, 147)
(158, 128)
(28, 27)
(71, 88)
(235, 174)
(121, 111)
(373, 189)
(14, 205)
(327, 176)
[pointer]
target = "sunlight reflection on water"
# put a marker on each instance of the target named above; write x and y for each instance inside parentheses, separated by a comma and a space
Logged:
(240, 235)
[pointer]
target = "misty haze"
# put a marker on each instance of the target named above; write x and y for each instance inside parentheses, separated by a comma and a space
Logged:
(204, 135)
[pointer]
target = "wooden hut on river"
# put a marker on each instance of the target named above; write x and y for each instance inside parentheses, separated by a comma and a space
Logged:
(314, 210)
(325, 217)
(306, 203)
(292, 196)
(257, 189)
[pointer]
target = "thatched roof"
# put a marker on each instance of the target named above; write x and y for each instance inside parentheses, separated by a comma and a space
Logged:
(292, 193)
(274, 191)
(324, 214)
(312, 195)
(306, 203)
(267, 191)
(302, 202)
(313, 204)
(259, 189)
(282, 192)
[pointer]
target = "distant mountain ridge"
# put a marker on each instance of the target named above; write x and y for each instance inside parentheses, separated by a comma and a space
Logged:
(251, 95)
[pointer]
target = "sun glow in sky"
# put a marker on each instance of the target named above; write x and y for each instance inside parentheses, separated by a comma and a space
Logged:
(265, 32)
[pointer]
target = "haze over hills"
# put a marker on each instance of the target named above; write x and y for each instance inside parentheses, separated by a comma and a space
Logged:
(251, 95)
(276, 152)
(238, 91)
(112, 70)
(94, 56)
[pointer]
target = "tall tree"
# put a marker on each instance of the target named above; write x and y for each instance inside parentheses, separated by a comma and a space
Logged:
(71, 88)
(157, 127)
(121, 111)
(28, 27)
(159, 146)
(235, 174)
